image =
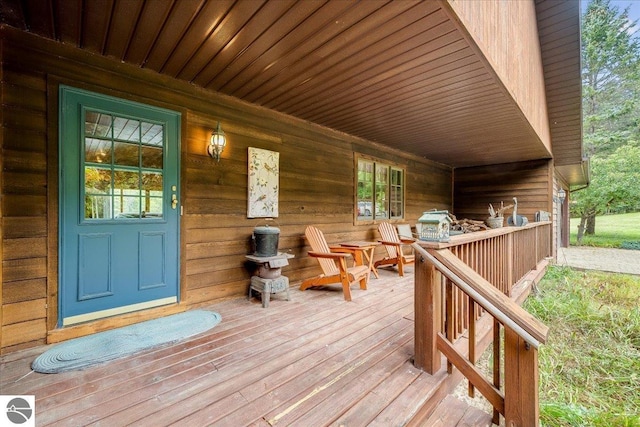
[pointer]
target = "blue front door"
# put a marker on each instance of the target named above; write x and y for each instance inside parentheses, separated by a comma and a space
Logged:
(119, 211)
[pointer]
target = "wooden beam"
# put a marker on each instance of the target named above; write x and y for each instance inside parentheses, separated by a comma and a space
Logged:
(472, 373)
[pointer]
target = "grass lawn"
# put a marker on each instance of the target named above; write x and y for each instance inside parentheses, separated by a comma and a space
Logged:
(590, 366)
(612, 231)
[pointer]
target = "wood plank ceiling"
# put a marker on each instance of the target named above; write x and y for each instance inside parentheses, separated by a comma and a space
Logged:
(396, 72)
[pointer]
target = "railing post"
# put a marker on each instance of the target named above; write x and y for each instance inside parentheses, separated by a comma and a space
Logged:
(428, 315)
(520, 382)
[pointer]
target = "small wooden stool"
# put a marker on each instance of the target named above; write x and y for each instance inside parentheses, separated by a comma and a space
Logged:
(269, 286)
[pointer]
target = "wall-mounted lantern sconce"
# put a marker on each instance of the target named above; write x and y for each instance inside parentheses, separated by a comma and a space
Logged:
(561, 195)
(217, 143)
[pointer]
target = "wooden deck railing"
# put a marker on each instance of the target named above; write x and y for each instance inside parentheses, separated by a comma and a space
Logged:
(459, 281)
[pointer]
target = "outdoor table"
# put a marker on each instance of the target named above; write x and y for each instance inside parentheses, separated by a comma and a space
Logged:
(366, 248)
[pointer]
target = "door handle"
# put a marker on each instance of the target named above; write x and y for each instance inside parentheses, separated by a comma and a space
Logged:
(174, 201)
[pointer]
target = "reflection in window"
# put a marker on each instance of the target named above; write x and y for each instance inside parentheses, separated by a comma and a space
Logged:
(365, 189)
(396, 199)
(126, 154)
(123, 167)
(380, 191)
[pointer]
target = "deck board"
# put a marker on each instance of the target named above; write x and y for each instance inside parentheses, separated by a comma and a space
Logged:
(316, 360)
(350, 394)
(373, 403)
(452, 412)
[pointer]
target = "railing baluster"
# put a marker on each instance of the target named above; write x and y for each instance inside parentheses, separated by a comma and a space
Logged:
(496, 366)
(472, 340)
(449, 324)
(510, 257)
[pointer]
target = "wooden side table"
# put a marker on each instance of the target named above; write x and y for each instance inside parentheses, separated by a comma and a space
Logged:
(269, 279)
(361, 248)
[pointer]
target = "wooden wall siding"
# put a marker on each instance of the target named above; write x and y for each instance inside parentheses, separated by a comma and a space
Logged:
(506, 32)
(530, 182)
(316, 187)
(316, 179)
(24, 206)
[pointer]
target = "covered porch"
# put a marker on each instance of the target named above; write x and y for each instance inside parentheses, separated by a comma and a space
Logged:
(315, 360)
(465, 103)
(424, 91)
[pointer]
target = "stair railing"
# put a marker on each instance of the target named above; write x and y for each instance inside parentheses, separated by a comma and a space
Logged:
(437, 272)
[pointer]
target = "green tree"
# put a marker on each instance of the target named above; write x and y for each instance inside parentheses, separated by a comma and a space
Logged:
(611, 99)
(610, 55)
(614, 187)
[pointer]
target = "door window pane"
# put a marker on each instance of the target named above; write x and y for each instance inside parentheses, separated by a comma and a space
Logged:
(152, 182)
(123, 173)
(97, 180)
(97, 207)
(152, 134)
(97, 150)
(126, 180)
(152, 157)
(126, 205)
(126, 129)
(97, 124)
(126, 154)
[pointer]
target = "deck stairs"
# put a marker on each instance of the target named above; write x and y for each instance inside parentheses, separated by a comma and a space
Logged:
(453, 412)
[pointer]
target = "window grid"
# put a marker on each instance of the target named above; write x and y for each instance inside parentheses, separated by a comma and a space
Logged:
(123, 167)
(396, 199)
(380, 191)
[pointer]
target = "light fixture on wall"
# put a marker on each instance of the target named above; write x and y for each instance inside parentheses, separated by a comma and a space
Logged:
(561, 195)
(217, 143)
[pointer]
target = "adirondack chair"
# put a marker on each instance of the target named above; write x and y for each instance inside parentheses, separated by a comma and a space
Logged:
(393, 244)
(333, 262)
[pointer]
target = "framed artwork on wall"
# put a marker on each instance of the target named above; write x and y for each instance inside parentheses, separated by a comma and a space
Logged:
(264, 183)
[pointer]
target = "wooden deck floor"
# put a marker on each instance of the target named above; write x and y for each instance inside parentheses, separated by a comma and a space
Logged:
(313, 361)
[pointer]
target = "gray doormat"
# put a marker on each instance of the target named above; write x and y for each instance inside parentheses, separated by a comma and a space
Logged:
(81, 353)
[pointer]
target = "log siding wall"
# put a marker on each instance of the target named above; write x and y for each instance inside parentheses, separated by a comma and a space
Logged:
(316, 180)
(531, 182)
